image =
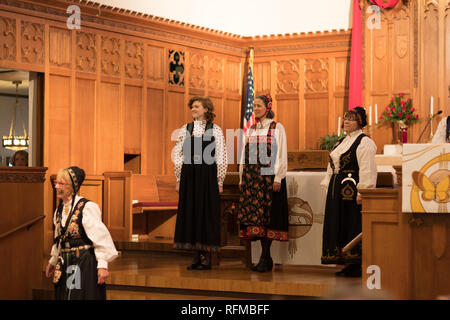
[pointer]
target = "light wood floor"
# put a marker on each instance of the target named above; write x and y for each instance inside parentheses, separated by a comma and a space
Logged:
(164, 276)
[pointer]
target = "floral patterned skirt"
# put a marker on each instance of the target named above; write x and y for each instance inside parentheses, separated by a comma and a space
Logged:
(262, 213)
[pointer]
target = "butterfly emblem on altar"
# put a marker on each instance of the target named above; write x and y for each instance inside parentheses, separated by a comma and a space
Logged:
(426, 190)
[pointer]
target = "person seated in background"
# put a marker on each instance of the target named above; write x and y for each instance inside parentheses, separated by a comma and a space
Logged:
(442, 134)
(20, 159)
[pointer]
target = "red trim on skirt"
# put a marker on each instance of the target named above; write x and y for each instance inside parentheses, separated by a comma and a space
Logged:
(255, 232)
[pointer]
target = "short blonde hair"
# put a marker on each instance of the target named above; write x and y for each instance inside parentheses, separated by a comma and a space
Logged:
(64, 175)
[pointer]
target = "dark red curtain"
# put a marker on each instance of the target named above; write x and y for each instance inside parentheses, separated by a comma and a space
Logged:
(382, 4)
(355, 85)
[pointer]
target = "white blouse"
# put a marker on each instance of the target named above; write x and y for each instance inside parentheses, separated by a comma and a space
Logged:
(104, 248)
(220, 151)
(441, 132)
(281, 159)
(365, 153)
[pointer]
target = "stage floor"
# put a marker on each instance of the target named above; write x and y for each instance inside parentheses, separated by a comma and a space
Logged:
(159, 275)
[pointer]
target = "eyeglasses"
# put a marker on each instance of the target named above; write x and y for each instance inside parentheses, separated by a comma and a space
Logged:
(61, 183)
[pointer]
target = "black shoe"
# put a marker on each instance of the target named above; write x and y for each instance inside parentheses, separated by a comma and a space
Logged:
(193, 266)
(255, 267)
(352, 270)
(266, 265)
(203, 267)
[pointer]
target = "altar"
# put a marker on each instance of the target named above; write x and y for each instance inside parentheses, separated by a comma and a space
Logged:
(306, 200)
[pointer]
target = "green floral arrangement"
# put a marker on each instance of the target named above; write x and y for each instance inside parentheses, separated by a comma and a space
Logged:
(328, 142)
(399, 110)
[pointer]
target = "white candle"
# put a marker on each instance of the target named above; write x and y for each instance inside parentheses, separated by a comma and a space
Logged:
(339, 127)
(370, 115)
(376, 113)
(431, 106)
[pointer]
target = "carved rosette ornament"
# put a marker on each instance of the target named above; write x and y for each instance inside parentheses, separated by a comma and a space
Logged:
(215, 74)
(86, 52)
(197, 72)
(316, 75)
(7, 39)
(287, 76)
(110, 56)
(134, 60)
(32, 43)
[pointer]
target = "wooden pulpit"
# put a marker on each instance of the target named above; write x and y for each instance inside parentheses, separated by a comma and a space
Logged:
(406, 230)
(21, 230)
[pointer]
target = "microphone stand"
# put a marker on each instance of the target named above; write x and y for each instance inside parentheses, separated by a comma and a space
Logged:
(428, 123)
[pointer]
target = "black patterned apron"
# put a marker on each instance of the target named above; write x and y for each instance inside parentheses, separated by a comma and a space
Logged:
(262, 213)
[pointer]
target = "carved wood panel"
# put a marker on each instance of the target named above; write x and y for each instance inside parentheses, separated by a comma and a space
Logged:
(110, 56)
(402, 72)
(7, 39)
(430, 52)
(60, 43)
(197, 75)
(86, 52)
(155, 63)
(316, 75)
(287, 76)
(380, 59)
(32, 43)
(215, 74)
(134, 60)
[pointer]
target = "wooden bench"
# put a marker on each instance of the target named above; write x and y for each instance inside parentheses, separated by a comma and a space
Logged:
(155, 203)
(153, 193)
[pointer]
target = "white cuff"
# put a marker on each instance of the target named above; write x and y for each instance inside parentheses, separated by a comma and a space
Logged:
(102, 264)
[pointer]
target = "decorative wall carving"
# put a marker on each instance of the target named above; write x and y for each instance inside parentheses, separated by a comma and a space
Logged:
(29, 177)
(86, 52)
(110, 56)
(316, 75)
(134, 60)
(215, 74)
(60, 47)
(155, 63)
(287, 76)
(7, 39)
(176, 68)
(32, 42)
(197, 71)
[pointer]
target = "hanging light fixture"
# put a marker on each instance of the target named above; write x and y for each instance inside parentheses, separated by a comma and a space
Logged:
(14, 142)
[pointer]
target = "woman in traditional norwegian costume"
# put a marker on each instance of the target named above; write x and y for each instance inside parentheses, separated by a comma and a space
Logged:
(82, 246)
(263, 206)
(351, 167)
(200, 168)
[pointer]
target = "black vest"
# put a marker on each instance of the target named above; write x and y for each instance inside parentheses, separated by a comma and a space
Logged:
(194, 147)
(72, 234)
(347, 178)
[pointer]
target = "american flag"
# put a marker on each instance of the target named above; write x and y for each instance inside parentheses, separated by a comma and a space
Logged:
(249, 117)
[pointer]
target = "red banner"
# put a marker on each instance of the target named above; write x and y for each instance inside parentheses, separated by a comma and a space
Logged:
(382, 4)
(355, 81)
